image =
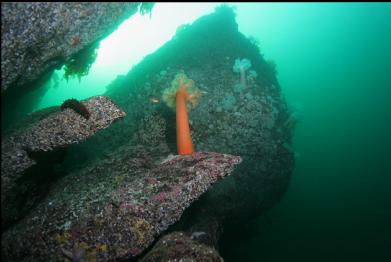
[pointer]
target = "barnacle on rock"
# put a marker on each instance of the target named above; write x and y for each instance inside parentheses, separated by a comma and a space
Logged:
(152, 129)
(76, 106)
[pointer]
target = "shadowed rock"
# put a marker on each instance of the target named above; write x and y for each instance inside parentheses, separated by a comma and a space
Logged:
(36, 37)
(116, 208)
(178, 246)
(43, 139)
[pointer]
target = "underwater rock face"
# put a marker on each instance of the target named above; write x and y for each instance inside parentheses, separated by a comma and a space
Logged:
(115, 208)
(177, 246)
(56, 131)
(248, 120)
(36, 37)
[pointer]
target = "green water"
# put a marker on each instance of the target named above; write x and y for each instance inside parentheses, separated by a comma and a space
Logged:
(334, 62)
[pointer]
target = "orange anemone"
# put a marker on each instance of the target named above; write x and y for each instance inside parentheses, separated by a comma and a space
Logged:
(182, 91)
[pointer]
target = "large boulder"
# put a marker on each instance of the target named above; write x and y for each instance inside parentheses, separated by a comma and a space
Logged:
(115, 208)
(250, 120)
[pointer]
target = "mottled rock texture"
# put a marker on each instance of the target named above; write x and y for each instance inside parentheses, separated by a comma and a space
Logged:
(114, 209)
(36, 37)
(177, 246)
(41, 137)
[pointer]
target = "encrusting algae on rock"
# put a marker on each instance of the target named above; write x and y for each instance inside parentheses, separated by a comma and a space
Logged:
(115, 208)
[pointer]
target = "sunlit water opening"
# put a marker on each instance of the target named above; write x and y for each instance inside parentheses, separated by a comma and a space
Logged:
(135, 38)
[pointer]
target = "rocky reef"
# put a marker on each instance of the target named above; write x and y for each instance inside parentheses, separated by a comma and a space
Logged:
(112, 196)
(179, 246)
(116, 208)
(43, 136)
(247, 120)
(36, 37)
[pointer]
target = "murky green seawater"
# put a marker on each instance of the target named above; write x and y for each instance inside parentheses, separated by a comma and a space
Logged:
(335, 61)
(334, 66)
